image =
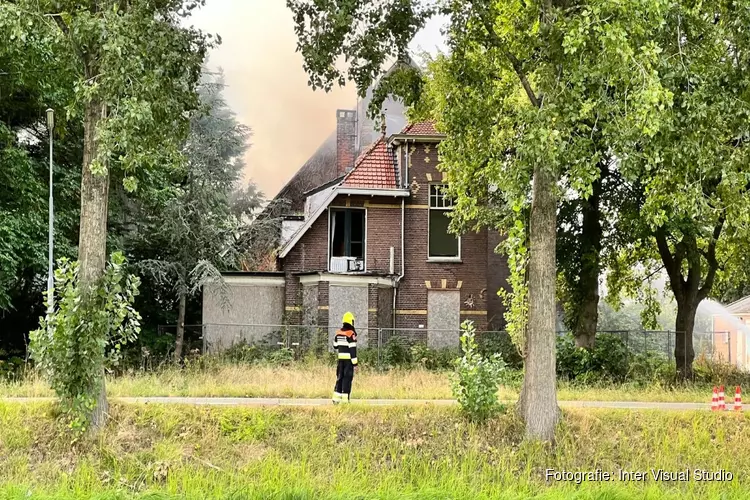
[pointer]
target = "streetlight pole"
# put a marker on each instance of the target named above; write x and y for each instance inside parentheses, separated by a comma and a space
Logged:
(50, 271)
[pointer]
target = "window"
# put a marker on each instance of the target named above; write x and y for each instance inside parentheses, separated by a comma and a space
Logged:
(347, 233)
(441, 243)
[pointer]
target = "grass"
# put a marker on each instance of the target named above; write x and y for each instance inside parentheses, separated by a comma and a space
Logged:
(169, 452)
(315, 380)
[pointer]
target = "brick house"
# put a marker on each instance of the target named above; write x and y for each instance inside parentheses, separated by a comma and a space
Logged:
(731, 334)
(372, 240)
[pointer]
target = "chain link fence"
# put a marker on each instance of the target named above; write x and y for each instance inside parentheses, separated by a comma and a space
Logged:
(381, 345)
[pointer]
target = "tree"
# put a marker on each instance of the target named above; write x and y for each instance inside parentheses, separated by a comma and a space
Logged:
(691, 177)
(195, 227)
(135, 70)
(25, 92)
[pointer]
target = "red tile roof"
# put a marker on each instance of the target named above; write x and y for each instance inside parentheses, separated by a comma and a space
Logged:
(421, 128)
(374, 169)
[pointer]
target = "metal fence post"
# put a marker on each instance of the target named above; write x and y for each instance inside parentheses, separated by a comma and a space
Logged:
(729, 347)
(203, 335)
(380, 341)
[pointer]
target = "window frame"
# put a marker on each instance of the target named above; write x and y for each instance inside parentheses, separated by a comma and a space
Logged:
(347, 240)
(440, 205)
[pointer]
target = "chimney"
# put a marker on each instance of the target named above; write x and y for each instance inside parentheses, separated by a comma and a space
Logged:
(383, 125)
(345, 135)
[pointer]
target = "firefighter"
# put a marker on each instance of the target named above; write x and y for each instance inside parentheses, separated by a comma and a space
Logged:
(345, 343)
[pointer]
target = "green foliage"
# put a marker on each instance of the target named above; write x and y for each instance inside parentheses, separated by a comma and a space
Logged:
(648, 368)
(12, 368)
(711, 373)
(516, 300)
(475, 380)
(240, 426)
(490, 343)
(281, 357)
(433, 359)
(84, 333)
(397, 353)
(609, 359)
(182, 239)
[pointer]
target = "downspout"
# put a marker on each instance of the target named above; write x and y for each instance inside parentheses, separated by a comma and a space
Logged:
(403, 206)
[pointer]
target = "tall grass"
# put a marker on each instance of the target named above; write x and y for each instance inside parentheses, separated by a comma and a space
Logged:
(166, 452)
(315, 380)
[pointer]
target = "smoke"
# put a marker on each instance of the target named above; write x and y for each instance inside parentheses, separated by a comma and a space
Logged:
(267, 87)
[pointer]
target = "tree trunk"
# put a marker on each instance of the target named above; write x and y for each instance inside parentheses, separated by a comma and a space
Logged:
(538, 400)
(591, 248)
(180, 337)
(684, 354)
(92, 243)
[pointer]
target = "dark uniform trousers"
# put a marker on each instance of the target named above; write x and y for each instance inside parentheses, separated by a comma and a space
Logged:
(345, 343)
(344, 378)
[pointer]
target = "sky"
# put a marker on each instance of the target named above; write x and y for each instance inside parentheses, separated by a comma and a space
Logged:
(267, 87)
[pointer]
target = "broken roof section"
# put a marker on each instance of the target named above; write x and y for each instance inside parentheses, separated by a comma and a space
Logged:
(317, 170)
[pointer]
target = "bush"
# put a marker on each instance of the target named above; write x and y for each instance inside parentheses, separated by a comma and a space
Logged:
(500, 342)
(12, 368)
(475, 380)
(433, 359)
(244, 353)
(396, 354)
(281, 357)
(651, 367)
(609, 360)
(711, 373)
(85, 333)
(366, 356)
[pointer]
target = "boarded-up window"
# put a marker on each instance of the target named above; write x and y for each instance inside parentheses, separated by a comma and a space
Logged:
(443, 318)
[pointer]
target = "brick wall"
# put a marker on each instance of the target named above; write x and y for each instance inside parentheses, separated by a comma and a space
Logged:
(383, 220)
(497, 278)
(478, 276)
(346, 133)
(469, 276)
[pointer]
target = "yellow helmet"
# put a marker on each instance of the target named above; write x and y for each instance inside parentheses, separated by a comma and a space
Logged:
(348, 318)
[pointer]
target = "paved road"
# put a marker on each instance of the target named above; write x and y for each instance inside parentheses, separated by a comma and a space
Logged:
(631, 405)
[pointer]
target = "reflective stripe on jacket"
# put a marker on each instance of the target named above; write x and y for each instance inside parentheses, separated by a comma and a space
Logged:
(345, 343)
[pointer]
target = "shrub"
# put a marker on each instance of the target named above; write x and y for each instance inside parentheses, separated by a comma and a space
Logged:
(85, 333)
(651, 367)
(709, 372)
(244, 353)
(500, 342)
(367, 356)
(396, 354)
(475, 380)
(433, 359)
(608, 360)
(12, 368)
(281, 357)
